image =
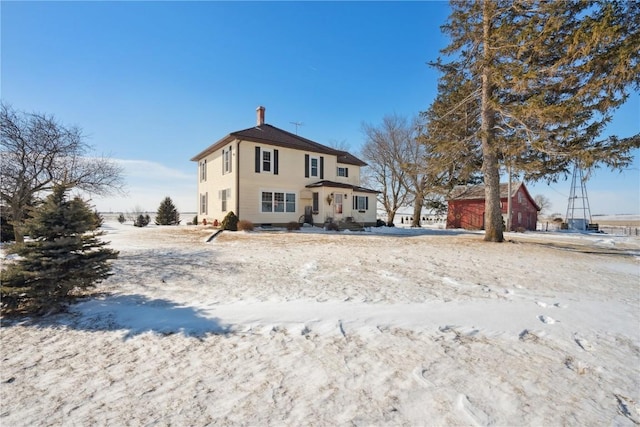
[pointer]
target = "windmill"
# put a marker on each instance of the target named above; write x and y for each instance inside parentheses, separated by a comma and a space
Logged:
(578, 211)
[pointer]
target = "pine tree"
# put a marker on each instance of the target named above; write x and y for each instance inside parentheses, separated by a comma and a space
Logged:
(543, 79)
(64, 255)
(167, 213)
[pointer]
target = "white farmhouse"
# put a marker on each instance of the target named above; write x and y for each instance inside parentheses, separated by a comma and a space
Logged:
(271, 177)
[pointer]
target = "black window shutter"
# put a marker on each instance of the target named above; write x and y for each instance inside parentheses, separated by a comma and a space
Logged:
(346, 172)
(275, 162)
(230, 158)
(366, 203)
(306, 166)
(258, 159)
(321, 167)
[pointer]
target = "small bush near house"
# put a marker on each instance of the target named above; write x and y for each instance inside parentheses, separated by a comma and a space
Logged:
(230, 222)
(520, 230)
(121, 218)
(245, 225)
(142, 221)
(195, 220)
(331, 226)
(293, 225)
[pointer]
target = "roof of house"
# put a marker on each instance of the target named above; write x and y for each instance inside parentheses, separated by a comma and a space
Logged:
(272, 135)
(476, 192)
(327, 183)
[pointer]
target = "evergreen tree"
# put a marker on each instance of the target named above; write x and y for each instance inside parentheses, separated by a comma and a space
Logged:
(64, 254)
(167, 213)
(142, 220)
(541, 80)
(230, 222)
(121, 218)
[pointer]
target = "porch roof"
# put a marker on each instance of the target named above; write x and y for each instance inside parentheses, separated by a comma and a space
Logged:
(334, 184)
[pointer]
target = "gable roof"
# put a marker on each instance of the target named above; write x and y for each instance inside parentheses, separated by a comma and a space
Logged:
(476, 192)
(272, 135)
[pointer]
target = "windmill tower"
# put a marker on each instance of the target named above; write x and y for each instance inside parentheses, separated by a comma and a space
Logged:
(578, 210)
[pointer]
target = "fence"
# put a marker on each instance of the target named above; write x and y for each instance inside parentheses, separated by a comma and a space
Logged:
(614, 230)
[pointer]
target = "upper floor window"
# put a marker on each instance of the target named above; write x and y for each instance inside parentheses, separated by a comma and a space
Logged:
(266, 160)
(203, 170)
(313, 167)
(519, 197)
(226, 160)
(343, 172)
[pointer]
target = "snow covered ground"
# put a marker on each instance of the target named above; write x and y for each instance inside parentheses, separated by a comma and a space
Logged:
(387, 327)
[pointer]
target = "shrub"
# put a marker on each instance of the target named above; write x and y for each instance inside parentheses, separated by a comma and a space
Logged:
(230, 222)
(293, 225)
(245, 225)
(195, 220)
(121, 218)
(142, 221)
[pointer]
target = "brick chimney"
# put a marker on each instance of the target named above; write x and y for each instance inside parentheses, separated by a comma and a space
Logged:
(260, 116)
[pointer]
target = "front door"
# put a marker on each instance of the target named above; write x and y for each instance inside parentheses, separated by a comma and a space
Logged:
(337, 206)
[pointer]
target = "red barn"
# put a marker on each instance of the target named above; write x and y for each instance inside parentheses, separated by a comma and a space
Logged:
(466, 207)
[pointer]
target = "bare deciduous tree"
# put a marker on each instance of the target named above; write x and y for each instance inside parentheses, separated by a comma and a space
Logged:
(38, 152)
(543, 202)
(385, 151)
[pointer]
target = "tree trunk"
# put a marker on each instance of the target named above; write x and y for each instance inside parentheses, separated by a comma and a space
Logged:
(490, 166)
(17, 221)
(417, 211)
(391, 215)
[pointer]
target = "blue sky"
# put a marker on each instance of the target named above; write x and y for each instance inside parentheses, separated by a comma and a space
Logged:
(154, 83)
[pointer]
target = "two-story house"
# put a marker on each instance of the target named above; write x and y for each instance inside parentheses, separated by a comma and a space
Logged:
(271, 177)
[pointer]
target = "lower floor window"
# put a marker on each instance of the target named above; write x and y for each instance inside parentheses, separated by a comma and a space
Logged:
(360, 203)
(274, 201)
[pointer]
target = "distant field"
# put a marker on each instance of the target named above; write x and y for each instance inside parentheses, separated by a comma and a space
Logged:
(617, 223)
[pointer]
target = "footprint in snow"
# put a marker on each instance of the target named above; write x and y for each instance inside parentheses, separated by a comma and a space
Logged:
(475, 415)
(547, 319)
(583, 343)
(541, 304)
(420, 376)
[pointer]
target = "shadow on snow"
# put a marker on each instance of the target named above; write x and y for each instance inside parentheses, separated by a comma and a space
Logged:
(134, 314)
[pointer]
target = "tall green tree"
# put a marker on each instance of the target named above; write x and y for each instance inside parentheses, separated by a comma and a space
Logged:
(167, 213)
(64, 254)
(544, 78)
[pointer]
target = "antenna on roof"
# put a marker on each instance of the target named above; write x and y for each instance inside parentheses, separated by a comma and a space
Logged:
(297, 124)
